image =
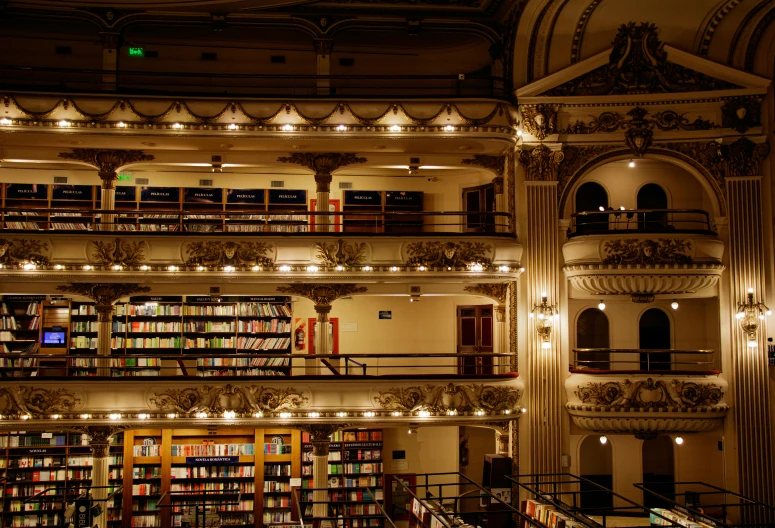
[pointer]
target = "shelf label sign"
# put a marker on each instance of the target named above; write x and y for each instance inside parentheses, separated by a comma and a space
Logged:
(404, 198)
(245, 196)
(126, 193)
(363, 198)
(212, 460)
(283, 197)
(26, 191)
(72, 192)
(202, 195)
(159, 194)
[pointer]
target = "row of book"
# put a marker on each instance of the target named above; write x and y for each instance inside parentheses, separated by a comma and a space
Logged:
(211, 449)
(210, 309)
(33, 308)
(261, 343)
(242, 487)
(277, 470)
(151, 310)
(32, 462)
(212, 472)
(83, 342)
(243, 362)
(277, 486)
(146, 490)
(85, 326)
(146, 472)
(28, 490)
(147, 326)
(241, 372)
(33, 440)
(8, 322)
(672, 517)
(276, 517)
(146, 450)
(209, 326)
(212, 342)
(277, 502)
(147, 342)
(350, 436)
(278, 449)
(548, 515)
(145, 521)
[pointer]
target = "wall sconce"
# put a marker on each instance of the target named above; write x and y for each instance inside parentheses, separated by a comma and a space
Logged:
(544, 315)
(749, 314)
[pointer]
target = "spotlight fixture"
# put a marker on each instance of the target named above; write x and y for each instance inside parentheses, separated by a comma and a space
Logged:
(601, 305)
(632, 164)
(603, 439)
(679, 440)
(674, 305)
(414, 298)
(750, 314)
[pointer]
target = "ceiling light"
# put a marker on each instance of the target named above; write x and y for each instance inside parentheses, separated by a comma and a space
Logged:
(285, 415)
(477, 267)
(5, 121)
(414, 298)
(201, 415)
(632, 164)
(479, 413)
(29, 266)
(177, 125)
(172, 268)
(258, 415)
(519, 132)
(449, 128)
(412, 429)
(679, 440)
(503, 269)
(256, 268)
(87, 267)
(395, 128)
(314, 415)
(341, 128)
(285, 267)
(369, 414)
(601, 305)
(603, 439)
(422, 268)
(339, 268)
(396, 413)
(524, 410)
(423, 414)
(232, 126)
(114, 416)
(55, 417)
(287, 128)
(229, 268)
(121, 124)
(200, 268)
(674, 305)
(367, 268)
(64, 123)
(144, 268)
(142, 416)
(394, 268)
(312, 268)
(86, 416)
(341, 414)
(116, 267)
(229, 414)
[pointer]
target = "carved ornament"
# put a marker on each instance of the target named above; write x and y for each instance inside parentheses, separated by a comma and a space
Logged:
(648, 393)
(742, 113)
(217, 399)
(496, 291)
(323, 46)
(539, 120)
(216, 253)
(119, 253)
(320, 436)
(322, 294)
(439, 399)
(103, 294)
(21, 251)
(322, 163)
(745, 157)
(541, 163)
(437, 254)
(709, 154)
(638, 65)
(639, 134)
(648, 252)
(99, 437)
(341, 253)
(36, 402)
(666, 120)
(493, 163)
(107, 161)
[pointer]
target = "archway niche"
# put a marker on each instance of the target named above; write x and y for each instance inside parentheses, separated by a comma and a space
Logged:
(658, 471)
(655, 333)
(590, 197)
(596, 464)
(592, 331)
(652, 196)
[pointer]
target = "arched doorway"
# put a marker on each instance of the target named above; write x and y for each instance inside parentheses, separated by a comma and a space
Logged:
(590, 197)
(597, 462)
(652, 196)
(592, 331)
(654, 334)
(658, 471)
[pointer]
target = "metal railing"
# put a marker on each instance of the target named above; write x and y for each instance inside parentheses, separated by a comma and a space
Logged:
(252, 222)
(615, 221)
(714, 505)
(599, 360)
(343, 509)
(178, 363)
(64, 80)
(568, 494)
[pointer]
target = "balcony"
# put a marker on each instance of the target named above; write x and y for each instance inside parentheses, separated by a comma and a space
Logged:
(645, 392)
(163, 389)
(643, 253)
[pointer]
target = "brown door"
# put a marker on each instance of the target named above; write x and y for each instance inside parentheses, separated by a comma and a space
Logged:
(474, 337)
(479, 199)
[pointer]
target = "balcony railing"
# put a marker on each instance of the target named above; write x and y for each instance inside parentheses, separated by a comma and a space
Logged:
(62, 80)
(181, 365)
(252, 222)
(605, 360)
(617, 221)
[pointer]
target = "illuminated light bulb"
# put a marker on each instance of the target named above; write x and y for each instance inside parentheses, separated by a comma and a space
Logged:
(172, 415)
(258, 415)
(503, 269)
(396, 413)
(200, 268)
(768, 312)
(201, 415)
(522, 270)
(530, 315)
(601, 208)
(177, 125)
(603, 439)
(55, 417)
(341, 414)
(285, 268)
(541, 315)
(312, 268)
(632, 164)
(229, 414)
(601, 305)
(144, 268)
(621, 208)
(739, 315)
(369, 414)
(25, 416)
(479, 413)
(172, 268)
(449, 128)
(546, 345)
(86, 416)
(58, 267)
(117, 267)
(477, 267)
(339, 268)
(679, 440)
(422, 268)
(451, 412)
(674, 305)
(750, 290)
(229, 268)
(394, 268)
(341, 128)
(5, 121)
(143, 416)
(29, 266)
(449, 268)
(256, 268)
(87, 267)
(114, 416)
(507, 411)
(519, 132)
(285, 415)
(64, 123)
(761, 317)
(314, 415)
(287, 128)
(524, 410)
(395, 128)
(367, 268)
(232, 126)
(423, 414)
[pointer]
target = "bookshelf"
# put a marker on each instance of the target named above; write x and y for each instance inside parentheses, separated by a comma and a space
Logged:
(83, 338)
(403, 202)
(203, 207)
(72, 197)
(209, 323)
(362, 202)
(25, 197)
(289, 207)
(250, 202)
(145, 478)
(125, 200)
(20, 322)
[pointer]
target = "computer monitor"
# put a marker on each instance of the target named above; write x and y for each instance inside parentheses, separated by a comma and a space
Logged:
(53, 338)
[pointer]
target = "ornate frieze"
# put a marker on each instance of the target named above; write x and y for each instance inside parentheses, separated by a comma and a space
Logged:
(646, 251)
(216, 253)
(36, 402)
(541, 163)
(496, 291)
(21, 251)
(742, 113)
(666, 120)
(642, 282)
(650, 393)
(119, 253)
(639, 134)
(107, 161)
(217, 399)
(437, 254)
(341, 253)
(745, 157)
(539, 120)
(638, 65)
(493, 163)
(99, 437)
(440, 399)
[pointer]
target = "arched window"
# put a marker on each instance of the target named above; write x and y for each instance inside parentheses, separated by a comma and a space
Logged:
(658, 471)
(591, 196)
(654, 334)
(596, 464)
(592, 332)
(652, 196)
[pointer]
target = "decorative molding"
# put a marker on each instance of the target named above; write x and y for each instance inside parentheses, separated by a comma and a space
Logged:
(217, 399)
(323, 46)
(639, 135)
(494, 290)
(320, 436)
(710, 28)
(742, 113)
(36, 402)
(650, 394)
(645, 427)
(217, 253)
(646, 251)
(104, 295)
(578, 34)
(451, 397)
(745, 157)
(541, 163)
(119, 253)
(666, 120)
(21, 251)
(513, 329)
(99, 437)
(539, 120)
(322, 295)
(494, 163)
(322, 164)
(437, 254)
(639, 280)
(638, 64)
(341, 253)
(107, 161)
(576, 157)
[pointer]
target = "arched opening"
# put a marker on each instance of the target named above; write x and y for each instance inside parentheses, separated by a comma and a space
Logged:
(652, 196)
(597, 461)
(654, 334)
(658, 471)
(592, 332)
(590, 197)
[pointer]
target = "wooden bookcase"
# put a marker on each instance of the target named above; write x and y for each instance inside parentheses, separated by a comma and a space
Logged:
(362, 202)
(72, 197)
(203, 207)
(251, 203)
(385, 202)
(25, 197)
(289, 207)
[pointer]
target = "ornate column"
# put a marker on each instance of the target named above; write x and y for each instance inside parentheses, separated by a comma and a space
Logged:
(107, 163)
(544, 366)
(495, 164)
(748, 255)
(320, 437)
(323, 164)
(323, 48)
(322, 295)
(104, 295)
(99, 441)
(500, 333)
(110, 47)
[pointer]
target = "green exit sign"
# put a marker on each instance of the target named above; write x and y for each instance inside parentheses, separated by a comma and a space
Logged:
(124, 176)
(136, 52)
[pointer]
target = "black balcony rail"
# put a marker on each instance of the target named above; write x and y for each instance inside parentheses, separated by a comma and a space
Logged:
(635, 360)
(86, 81)
(713, 505)
(249, 222)
(343, 508)
(197, 504)
(180, 364)
(620, 221)
(586, 501)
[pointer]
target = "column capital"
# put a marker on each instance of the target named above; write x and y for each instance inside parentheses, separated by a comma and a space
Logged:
(495, 291)
(103, 294)
(542, 163)
(744, 157)
(323, 46)
(322, 163)
(99, 438)
(322, 294)
(498, 183)
(494, 163)
(110, 40)
(323, 182)
(320, 436)
(107, 161)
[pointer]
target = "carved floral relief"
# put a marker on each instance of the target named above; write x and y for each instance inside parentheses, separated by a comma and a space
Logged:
(217, 399)
(442, 398)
